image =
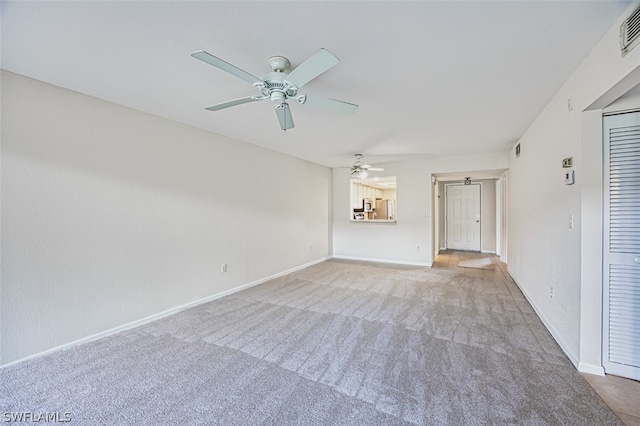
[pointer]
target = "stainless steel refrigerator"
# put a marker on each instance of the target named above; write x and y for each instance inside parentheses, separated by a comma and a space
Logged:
(386, 209)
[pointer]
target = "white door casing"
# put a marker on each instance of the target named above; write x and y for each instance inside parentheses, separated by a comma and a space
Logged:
(621, 251)
(463, 216)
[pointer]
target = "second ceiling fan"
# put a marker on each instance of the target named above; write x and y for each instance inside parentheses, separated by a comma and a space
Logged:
(359, 170)
(280, 86)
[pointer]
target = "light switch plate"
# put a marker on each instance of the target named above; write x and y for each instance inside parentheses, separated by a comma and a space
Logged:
(569, 177)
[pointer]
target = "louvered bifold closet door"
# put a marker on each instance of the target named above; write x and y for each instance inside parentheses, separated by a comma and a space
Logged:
(622, 245)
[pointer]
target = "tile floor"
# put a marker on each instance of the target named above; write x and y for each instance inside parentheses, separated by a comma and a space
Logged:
(620, 394)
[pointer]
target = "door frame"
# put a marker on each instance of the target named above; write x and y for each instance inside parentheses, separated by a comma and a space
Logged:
(446, 213)
(502, 227)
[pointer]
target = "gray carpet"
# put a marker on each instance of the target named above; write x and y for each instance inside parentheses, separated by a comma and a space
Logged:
(338, 343)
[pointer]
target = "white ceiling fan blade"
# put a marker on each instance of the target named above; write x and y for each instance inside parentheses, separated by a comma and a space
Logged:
(284, 116)
(331, 104)
(315, 65)
(234, 102)
(375, 169)
(225, 66)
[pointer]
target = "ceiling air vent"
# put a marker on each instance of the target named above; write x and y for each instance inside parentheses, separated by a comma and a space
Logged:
(630, 32)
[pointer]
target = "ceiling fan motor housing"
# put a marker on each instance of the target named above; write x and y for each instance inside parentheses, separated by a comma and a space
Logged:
(276, 88)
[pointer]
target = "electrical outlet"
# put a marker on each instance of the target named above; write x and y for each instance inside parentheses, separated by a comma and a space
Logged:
(223, 267)
(309, 247)
(417, 246)
(569, 104)
(570, 221)
(551, 292)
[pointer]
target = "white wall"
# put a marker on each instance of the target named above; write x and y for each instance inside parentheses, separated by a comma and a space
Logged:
(110, 215)
(542, 251)
(397, 242)
(489, 216)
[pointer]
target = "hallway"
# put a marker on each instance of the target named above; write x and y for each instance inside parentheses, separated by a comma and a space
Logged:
(620, 394)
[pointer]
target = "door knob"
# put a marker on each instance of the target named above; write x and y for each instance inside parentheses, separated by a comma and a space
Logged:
(636, 259)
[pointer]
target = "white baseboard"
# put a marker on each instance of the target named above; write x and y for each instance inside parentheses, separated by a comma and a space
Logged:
(488, 251)
(159, 315)
(563, 345)
(598, 370)
(370, 259)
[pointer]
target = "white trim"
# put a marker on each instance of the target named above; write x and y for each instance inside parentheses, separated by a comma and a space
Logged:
(488, 251)
(162, 314)
(554, 333)
(397, 262)
(583, 367)
(498, 207)
(504, 226)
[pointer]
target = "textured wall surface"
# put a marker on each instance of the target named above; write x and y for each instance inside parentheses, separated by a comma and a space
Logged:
(110, 215)
(543, 252)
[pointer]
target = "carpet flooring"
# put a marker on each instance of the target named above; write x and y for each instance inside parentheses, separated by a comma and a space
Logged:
(338, 343)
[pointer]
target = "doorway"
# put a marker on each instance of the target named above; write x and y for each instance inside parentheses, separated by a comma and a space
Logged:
(462, 216)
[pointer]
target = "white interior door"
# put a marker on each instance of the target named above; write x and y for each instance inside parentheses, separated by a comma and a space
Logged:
(621, 263)
(463, 216)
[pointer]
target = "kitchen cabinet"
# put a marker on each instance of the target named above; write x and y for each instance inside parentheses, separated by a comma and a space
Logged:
(389, 194)
(371, 193)
(361, 192)
(356, 195)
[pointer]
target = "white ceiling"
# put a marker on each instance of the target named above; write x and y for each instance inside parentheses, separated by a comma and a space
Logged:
(434, 78)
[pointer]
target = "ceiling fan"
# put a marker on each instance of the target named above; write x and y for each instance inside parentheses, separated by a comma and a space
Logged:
(360, 170)
(280, 86)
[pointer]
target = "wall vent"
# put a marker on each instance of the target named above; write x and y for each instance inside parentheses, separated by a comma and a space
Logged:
(630, 32)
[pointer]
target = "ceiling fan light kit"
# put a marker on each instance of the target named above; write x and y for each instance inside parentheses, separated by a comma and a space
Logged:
(280, 86)
(359, 170)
